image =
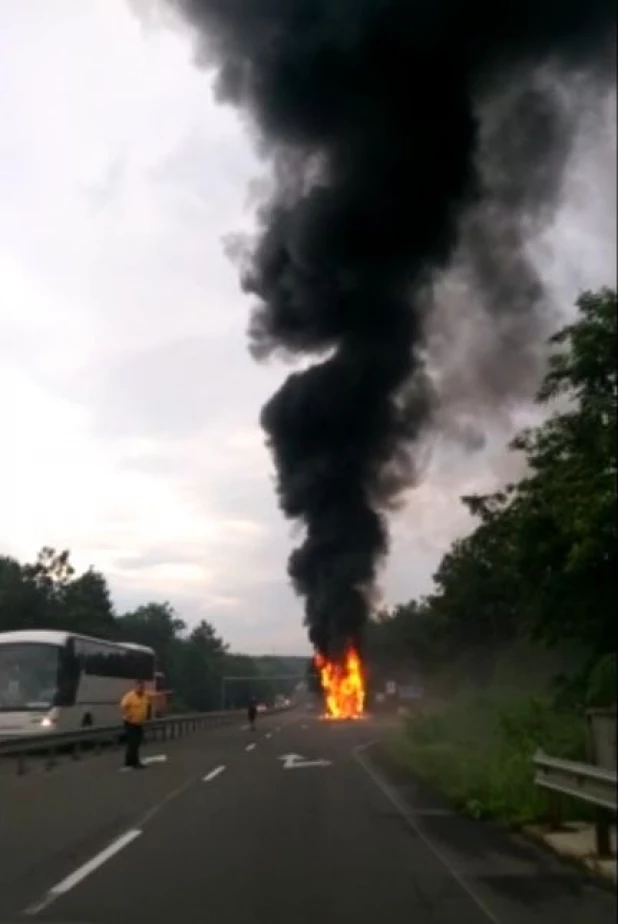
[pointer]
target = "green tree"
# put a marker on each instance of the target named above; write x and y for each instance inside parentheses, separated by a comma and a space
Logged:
(477, 583)
(20, 601)
(207, 659)
(564, 510)
(86, 606)
(31, 595)
(154, 624)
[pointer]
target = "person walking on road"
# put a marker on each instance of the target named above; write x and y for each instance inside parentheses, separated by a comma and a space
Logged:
(252, 713)
(134, 707)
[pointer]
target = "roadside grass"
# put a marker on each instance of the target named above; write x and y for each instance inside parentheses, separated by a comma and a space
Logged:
(477, 750)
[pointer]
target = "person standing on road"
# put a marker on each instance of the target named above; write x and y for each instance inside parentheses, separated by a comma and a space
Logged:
(252, 713)
(134, 706)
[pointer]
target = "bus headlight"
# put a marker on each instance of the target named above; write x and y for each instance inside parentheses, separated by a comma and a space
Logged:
(47, 722)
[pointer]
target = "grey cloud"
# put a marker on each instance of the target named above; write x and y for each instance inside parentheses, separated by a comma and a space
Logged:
(150, 558)
(101, 192)
(170, 391)
(200, 174)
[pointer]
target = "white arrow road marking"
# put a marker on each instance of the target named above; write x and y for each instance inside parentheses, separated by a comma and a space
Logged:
(297, 761)
(154, 759)
(213, 774)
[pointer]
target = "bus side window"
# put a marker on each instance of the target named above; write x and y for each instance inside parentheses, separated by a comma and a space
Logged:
(68, 677)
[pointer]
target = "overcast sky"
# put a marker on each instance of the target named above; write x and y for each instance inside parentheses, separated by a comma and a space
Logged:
(128, 400)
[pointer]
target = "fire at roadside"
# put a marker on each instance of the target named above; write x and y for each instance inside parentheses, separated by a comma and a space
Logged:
(343, 685)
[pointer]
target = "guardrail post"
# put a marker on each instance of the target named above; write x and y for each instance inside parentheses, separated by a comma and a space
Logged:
(601, 747)
(554, 810)
(601, 832)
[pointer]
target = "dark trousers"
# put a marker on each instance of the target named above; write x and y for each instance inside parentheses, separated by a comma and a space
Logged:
(133, 740)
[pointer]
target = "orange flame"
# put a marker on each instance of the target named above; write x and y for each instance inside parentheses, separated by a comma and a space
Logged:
(343, 685)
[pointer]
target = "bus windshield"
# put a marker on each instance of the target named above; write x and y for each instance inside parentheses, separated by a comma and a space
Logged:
(28, 676)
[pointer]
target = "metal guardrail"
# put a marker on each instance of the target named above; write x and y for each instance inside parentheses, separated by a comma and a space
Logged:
(592, 784)
(52, 744)
(580, 781)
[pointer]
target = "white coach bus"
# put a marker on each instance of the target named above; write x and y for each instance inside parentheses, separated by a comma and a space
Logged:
(62, 681)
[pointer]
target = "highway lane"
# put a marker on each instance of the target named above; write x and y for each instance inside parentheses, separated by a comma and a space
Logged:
(234, 835)
(52, 820)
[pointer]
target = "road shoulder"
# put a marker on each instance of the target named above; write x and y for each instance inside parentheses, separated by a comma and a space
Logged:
(515, 877)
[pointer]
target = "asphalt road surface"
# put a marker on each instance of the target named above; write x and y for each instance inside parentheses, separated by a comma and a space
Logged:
(298, 823)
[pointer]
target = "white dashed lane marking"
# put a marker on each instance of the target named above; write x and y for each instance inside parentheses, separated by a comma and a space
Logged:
(213, 774)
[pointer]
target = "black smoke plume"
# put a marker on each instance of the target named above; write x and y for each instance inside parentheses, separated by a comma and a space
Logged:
(370, 113)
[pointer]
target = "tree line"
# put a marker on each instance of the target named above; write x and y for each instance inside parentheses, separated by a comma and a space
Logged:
(49, 594)
(540, 565)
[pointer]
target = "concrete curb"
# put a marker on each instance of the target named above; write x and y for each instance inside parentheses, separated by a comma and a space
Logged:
(570, 844)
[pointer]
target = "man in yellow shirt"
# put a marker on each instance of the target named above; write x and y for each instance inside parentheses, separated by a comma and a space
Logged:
(134, 706)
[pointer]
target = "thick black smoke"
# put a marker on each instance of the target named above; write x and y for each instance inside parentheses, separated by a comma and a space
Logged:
(369, 112)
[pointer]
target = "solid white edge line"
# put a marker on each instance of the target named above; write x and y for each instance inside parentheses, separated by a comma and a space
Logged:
(213, 774)
(408, 817)
(85, 870)
(115, 847)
